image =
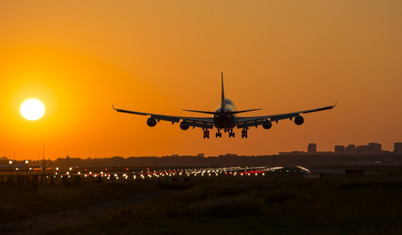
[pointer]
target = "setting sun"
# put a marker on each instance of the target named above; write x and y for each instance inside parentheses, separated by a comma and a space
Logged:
(32, 109)
(282, 56)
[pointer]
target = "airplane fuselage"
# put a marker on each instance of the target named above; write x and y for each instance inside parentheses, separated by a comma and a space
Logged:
(223, 117)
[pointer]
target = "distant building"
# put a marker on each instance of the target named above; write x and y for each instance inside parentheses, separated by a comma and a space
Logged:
(228, 155)
(374, 148)
(292, 153)
(351, 148)
(325, 152)
(312, 148)
(339, 149)
(362, 149)
(296, 153)
(200, 155)
(398, 148)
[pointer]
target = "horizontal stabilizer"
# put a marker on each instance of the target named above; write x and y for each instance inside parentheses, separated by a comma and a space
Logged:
(243, 111)
(213, 113)
(197, 111)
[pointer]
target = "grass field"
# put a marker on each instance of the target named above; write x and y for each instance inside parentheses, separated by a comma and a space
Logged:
(19, 203)
(335, 204)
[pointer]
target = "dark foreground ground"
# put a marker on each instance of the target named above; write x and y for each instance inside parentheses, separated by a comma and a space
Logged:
(271, 204)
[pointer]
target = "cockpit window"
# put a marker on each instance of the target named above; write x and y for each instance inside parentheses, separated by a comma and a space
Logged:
(229, 102)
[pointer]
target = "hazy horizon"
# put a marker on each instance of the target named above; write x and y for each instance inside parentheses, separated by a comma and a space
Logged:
(165, 56)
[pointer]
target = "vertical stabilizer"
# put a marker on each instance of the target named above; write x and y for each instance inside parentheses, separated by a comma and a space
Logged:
(222, 95)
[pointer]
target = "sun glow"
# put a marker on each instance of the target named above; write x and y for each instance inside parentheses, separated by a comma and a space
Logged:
(32, 109)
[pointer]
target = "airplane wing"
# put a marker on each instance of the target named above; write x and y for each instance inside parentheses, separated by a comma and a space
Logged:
(244, 122)
(202, 122)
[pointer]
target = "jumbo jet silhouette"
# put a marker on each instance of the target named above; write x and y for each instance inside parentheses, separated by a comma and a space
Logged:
(224, 118)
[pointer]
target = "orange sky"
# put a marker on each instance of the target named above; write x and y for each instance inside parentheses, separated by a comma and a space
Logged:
(163, 56)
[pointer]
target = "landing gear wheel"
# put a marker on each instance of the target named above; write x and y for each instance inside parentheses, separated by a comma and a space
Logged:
(206, 134)
(244, 133)
(218, 134)
(231, 133)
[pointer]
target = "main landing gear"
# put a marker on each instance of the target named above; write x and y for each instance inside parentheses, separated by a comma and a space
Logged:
(244, 133)
(206, 133)
(218, 134)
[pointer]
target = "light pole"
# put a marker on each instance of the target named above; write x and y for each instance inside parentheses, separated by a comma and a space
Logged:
(26, 163)
(10, 162)
(43, 158)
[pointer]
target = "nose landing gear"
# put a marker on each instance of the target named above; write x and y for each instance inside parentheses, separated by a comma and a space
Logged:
(218, 133)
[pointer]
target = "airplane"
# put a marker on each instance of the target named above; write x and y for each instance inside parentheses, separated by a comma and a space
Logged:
(224, 118)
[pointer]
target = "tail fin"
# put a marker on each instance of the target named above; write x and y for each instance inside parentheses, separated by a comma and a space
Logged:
(222, 95)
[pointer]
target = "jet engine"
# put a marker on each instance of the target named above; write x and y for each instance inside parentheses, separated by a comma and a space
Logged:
(267, 124)
(184, 125)
(151, 122)
(299, 120)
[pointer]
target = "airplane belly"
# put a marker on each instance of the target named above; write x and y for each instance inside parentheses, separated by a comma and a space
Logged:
(224, 122)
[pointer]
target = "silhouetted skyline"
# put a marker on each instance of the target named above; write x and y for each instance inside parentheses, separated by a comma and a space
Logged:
(79, 57)
(363, 154)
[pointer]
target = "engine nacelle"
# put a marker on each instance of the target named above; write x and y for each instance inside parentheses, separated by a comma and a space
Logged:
(184, 125)
(267, 124)
(151, 122)
(299, 120)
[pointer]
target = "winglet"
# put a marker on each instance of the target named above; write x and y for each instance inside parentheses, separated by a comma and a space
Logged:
(336, 102)
(113, 106)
